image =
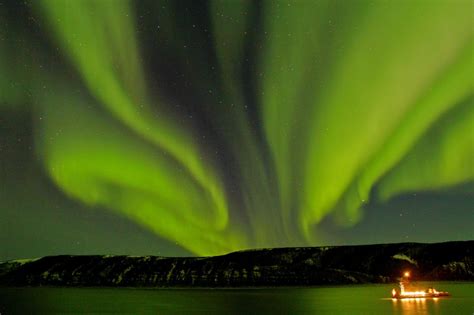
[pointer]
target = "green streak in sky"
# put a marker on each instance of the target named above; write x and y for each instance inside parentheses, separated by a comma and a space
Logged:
(443, 157)
(453, 85)
(94, 159)
(377, 86)
(99, 38)
(318, 106)
(231, 29)
(289, 74)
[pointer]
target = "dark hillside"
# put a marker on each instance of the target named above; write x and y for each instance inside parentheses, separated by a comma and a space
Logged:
(265, 267)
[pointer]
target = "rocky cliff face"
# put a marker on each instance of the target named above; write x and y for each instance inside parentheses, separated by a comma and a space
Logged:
(265, 267)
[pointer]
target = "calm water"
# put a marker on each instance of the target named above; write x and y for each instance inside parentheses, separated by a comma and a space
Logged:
(366, 299)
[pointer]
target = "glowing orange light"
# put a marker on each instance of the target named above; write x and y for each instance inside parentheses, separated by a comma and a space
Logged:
(415, 295)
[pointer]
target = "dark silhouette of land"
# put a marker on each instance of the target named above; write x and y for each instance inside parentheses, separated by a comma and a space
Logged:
(264, 267)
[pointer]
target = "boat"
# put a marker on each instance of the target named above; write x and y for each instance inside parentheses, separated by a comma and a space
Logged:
(423, 294)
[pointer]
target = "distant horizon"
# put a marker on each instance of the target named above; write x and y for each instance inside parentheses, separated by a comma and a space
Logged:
(240, 250)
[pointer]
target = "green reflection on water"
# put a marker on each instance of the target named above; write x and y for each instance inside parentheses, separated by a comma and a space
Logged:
(366, 299)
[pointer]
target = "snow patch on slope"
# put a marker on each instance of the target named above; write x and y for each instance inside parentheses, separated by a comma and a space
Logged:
(406, 258)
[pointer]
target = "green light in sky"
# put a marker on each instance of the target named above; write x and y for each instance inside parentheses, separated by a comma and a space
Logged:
(350, 98)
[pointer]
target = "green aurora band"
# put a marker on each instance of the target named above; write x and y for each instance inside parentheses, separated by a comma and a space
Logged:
(353, 101)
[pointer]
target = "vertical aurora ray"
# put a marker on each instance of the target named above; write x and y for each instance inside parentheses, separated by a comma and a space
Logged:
(230, 21)
(287, 73)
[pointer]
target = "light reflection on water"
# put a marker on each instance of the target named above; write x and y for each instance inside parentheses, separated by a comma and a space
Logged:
(359, 299)
(416, 306)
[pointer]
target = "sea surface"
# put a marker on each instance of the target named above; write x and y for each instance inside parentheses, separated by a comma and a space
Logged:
(356, 299)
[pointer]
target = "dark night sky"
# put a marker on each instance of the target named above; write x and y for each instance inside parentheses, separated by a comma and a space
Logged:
(203, 127)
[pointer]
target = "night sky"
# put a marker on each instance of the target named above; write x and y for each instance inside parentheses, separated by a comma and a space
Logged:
(203, 127)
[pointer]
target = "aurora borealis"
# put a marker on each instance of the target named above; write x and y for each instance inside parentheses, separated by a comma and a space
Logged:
(203, 127)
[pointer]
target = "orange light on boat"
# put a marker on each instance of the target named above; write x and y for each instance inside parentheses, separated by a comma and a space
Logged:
(415, 295)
